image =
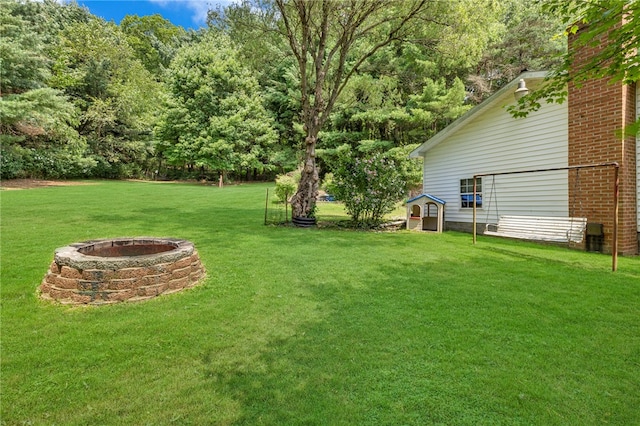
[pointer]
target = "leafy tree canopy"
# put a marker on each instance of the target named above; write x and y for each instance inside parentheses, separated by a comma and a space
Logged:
(378, 76)
(215, 117)
(525, 37)
(617, 21)
(153, 39)
(33, 117)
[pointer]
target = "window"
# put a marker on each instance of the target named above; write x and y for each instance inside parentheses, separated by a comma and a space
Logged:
(466, 193)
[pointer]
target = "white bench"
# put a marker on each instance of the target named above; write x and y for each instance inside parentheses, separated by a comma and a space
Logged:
(539, 228)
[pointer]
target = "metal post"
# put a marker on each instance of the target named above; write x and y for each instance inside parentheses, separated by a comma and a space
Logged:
(474, 209)
(616, 196)
(286, 207)
(266, 207)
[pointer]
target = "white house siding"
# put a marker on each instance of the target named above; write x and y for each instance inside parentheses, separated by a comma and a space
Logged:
(494, 142)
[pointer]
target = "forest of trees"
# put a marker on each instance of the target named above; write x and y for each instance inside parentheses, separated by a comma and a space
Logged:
(86, 98)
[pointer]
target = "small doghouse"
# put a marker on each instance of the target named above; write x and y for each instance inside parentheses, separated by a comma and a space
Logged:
(425, 213)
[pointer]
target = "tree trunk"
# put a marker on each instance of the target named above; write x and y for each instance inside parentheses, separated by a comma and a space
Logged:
(304, 200)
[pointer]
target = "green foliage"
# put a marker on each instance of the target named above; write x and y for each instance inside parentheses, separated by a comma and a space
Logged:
(23, 64)
(75, 84)
(27, 106)
(372, 107)
(369, 186)
(374, 115)
(49, 162)
(286, 185)
(74, 95)
(119, 98)
(244, 22)
(409, 168)
(264, 53)
(215, 117)
(438, 105)
(327, 183)
(279, 93)
(524, 38)
(38, 124)
(331, 41)
(12, 163)
(48, 18)
(591, 21)
(154, 40)
(95, 63)
(39, 116)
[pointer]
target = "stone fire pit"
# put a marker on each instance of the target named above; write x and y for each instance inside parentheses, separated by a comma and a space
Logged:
(121, 269)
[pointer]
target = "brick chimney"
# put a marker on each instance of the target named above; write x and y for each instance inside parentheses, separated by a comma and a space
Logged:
(598, 111)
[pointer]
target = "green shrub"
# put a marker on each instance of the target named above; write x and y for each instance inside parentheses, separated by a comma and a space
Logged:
(286, 185)
(47, 163)
(369, 187)
(11, 162)
(328, 185)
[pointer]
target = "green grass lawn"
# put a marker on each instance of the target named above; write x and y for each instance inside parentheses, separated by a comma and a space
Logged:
(311, 326)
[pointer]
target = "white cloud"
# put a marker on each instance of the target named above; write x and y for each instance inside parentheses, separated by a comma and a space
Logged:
(199, 8)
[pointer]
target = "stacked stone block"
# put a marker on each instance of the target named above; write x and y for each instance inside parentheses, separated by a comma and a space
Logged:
(74, 278)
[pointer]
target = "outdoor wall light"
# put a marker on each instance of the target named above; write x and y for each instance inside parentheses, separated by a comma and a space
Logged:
(521, 90)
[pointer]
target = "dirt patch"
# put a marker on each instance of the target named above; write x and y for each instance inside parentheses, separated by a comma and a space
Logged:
(13, 184)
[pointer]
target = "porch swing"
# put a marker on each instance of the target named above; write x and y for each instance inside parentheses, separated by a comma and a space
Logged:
(537, 228)
(569, 229)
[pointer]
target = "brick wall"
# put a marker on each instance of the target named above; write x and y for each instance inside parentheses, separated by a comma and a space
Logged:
(598, 111)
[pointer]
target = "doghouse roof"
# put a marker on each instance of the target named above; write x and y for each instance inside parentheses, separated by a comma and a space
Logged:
(428, 196)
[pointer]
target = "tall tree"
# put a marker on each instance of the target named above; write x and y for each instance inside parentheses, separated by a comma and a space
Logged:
(118, 97)
(523, 38)
(153, 39)
(265, 54)
(23, 63)
(331, 40)
(215, 118)
(38, 134)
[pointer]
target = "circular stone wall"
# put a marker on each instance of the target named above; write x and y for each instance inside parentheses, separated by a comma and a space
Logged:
(121, 269)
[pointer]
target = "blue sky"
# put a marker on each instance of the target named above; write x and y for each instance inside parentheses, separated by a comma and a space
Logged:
(186, 13)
